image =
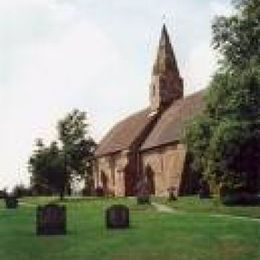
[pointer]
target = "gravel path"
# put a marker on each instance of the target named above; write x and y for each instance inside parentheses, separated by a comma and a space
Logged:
(27, 204)
(163, 208)
(235, 217)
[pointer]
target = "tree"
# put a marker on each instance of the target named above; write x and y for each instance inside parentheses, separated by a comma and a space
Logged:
(224, 140)
(57, 165)
(77, 145)
(237, 37)
(47, 168)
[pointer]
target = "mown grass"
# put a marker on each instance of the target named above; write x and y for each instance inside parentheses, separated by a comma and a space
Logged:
(214, 206)
(153, 235)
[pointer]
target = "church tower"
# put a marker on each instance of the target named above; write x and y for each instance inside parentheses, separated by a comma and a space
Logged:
(166, 84)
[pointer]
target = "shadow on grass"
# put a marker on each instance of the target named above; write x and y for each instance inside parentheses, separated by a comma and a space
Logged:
(241, 199)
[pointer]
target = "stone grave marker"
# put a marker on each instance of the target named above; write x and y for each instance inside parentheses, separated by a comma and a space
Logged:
(143, 194)
(204, 191)
(51, 220)
(143, 199)
(172, 191)
(11, 202)
(117, 216)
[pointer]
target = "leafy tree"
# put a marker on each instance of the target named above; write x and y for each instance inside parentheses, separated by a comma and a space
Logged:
(237, 37)
(56, 166)
(77, 145)
(47, 168)
(224, 140)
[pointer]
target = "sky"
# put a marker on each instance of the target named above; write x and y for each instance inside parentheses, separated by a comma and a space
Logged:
(56, 55)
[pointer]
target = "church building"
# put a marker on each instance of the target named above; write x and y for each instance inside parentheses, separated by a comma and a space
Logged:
(148, 144)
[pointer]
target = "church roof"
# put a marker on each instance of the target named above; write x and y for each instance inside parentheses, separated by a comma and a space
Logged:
(124, 133)
(170, 126)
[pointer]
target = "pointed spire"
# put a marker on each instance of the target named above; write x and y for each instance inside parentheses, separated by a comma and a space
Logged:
(166, 83)
(165, 56)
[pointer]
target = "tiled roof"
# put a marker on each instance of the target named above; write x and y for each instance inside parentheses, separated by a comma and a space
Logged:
(170, 126)
(124, 133)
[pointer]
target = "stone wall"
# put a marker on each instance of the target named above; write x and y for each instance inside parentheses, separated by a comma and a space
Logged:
(112, 168)
(162, 93)
(167, 165)
(121, 161)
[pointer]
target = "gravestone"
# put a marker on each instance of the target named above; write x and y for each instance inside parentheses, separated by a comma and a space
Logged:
(11, 202)
(143, 199)
(172, 193)
(117, 216)
(143, 194)
(51, 220)
(204, 191)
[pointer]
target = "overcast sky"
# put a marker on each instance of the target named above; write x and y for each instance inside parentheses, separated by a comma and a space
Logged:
(56, 55)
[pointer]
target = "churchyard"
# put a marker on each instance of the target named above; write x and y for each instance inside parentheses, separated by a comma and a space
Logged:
(204, 143)
(193, 229)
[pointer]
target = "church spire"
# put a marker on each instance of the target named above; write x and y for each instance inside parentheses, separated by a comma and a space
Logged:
(165, 59)
(166, 85)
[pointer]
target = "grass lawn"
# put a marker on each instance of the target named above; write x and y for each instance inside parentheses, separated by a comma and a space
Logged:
(213, 206)
(194, 234)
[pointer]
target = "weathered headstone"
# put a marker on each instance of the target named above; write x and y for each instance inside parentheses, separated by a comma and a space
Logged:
(172, 193)
(204, 191)
(117, 216)
(11, 202)
(143, 194)
(143, 199)
(51, 220)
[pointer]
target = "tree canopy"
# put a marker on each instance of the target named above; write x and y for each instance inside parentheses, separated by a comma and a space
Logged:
(224, 140)
(69, 158)
(237, 37)
(47, 168)
(77, 145)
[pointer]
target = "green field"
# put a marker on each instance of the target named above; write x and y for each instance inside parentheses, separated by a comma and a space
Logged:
(192, 232)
